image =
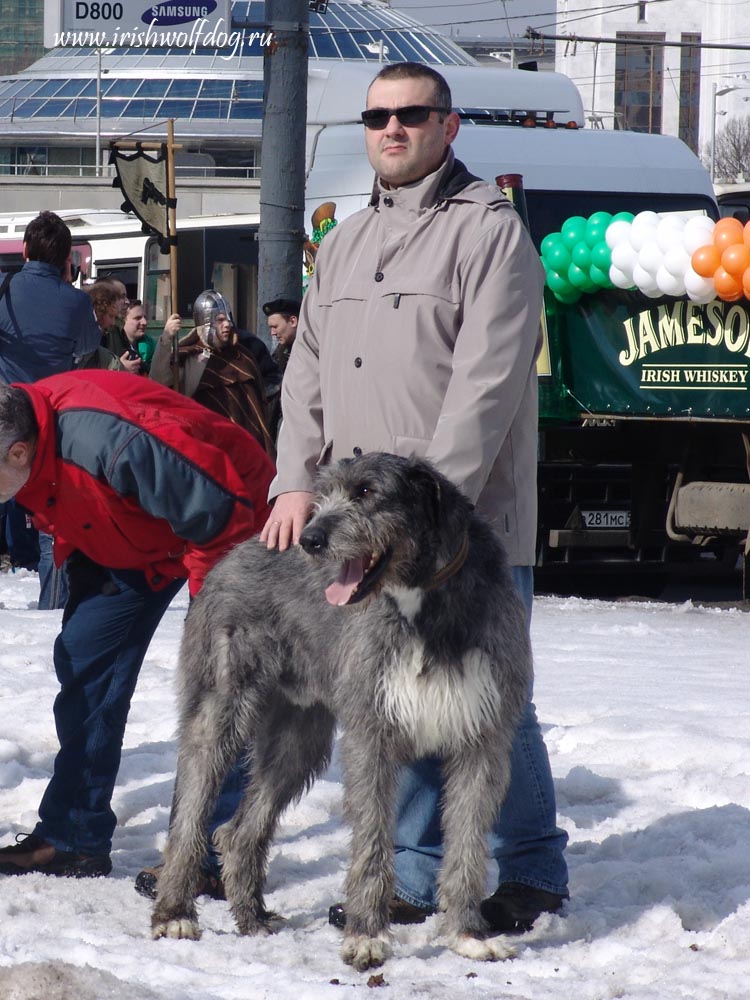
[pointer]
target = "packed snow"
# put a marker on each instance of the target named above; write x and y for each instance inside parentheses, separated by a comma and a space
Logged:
(646, 713)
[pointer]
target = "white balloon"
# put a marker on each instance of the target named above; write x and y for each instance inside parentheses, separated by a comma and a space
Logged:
(619, 278)
(669, 233)
(668, 283)
(700, 290)
(677, 261)
(651, 258)
(675, 219)
(644, 280)
(642, 233)
(624, 257)
(698, 232)
(617, 232)
(646, 219)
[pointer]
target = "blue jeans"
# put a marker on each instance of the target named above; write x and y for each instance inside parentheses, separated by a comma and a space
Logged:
(107, 628)
(525, 841)
(53, 582)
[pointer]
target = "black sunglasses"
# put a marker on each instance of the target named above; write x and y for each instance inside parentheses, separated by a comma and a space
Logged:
(414, 114)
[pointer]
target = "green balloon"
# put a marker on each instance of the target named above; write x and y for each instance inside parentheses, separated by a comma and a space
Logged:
(559, 258)
(623, 217)
(601, 256)
(577, 276)
(558, 282)
(573, 230)
(596, 227)
(548, 242)
(568, 298)
(582, 255)
(600, 277)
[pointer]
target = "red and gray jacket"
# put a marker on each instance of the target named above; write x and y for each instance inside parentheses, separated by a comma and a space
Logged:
(136, 476)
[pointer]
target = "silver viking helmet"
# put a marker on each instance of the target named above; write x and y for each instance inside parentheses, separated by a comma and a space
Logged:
(206, 308)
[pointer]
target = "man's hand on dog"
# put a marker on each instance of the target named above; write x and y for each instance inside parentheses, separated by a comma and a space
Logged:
(288, 517)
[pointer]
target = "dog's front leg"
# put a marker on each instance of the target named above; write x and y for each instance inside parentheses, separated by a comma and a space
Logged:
(475, 785)
(369, 795)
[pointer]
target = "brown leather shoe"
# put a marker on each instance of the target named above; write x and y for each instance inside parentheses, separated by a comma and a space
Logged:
(32, 854)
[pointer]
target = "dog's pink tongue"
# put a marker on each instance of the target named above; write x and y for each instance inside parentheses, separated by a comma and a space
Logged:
(341, 590)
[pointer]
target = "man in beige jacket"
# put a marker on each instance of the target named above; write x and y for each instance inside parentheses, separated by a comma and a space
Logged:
(418, 335)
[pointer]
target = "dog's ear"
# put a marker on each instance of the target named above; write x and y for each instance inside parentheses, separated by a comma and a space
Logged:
(427, 482)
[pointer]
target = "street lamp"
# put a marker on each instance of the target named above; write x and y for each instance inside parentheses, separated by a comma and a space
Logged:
(718, 91)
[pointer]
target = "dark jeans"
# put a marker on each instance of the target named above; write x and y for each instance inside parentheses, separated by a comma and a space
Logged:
(108, 623)
(21, 538)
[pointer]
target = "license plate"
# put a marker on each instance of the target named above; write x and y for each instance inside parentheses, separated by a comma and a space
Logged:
(606, 518)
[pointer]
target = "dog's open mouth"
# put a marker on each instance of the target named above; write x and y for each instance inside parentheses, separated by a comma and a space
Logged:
(357, 578)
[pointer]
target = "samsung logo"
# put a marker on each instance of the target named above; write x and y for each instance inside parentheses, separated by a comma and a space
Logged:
(177, 13)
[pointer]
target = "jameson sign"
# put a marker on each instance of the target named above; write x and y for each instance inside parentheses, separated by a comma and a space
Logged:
(621, 355)
(139, 24)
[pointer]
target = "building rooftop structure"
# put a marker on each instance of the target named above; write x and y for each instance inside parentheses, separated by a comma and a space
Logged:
(215, 95)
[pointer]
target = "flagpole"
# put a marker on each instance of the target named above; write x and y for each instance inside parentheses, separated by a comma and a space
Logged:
(172, 222)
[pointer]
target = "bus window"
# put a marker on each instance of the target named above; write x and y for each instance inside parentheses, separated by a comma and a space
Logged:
(158, 285)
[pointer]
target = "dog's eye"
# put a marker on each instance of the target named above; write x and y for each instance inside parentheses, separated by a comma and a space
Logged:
(360, 492)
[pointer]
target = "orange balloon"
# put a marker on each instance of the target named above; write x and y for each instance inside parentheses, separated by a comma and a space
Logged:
(746, 283)
(727, 232)
(728, 287)
(736, 259)
(746, 233)
(705, 260)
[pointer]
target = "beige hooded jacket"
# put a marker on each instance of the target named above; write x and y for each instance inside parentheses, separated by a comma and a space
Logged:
(419, 335)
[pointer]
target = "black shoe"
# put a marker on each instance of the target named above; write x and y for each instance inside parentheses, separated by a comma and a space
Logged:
(147, 883)
(513, 907)
(401, 912)
(32, 854)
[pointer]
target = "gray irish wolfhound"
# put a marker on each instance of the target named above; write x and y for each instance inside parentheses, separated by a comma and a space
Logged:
(396, 618)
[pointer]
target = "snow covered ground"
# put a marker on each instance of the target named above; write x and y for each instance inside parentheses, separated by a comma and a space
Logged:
(646, 711)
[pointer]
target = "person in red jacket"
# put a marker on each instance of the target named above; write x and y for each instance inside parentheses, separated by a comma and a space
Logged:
(142, 489)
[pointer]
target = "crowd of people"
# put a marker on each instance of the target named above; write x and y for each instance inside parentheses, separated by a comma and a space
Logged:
(418, 334)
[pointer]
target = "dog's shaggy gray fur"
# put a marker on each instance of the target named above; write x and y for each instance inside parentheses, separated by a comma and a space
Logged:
(270, 661)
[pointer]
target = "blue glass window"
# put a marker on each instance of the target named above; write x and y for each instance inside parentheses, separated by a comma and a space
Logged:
(49, 89)
(53, 108)
(25, 109)
(250, 89)
(153, 88)
(216, 88)
(25, 89)
(83, 107)
(246, 110)
(175, 109)
(211, 109)
(123, 88)
(184, 88)
(72, 88)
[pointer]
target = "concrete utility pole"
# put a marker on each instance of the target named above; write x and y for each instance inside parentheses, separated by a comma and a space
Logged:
(282, 156)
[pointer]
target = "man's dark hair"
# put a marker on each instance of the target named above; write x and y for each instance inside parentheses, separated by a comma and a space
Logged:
(418, 71)
(285, 307)
(48, 239)
(17, 419)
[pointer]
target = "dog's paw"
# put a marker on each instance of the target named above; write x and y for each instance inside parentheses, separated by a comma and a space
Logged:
(366, 952)
(491, 949)
(176, 928)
